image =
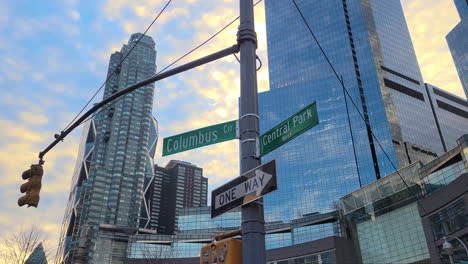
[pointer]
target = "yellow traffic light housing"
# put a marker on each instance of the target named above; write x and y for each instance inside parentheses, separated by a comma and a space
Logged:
(226, 251)
(33, 187)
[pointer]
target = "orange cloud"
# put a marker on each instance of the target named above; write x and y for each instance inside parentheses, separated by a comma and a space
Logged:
(429, 22)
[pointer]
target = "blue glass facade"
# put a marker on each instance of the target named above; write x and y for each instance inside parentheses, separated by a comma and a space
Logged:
(369, 45)
(451, 113)
(462, 8)
(196, 228)
(457, 41)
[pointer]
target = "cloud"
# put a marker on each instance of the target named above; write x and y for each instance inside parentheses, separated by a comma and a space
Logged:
(428, 27)
(33, 118)
(75, 14)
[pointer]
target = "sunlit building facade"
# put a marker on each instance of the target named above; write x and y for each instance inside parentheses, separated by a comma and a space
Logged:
(457, 40)
(108, 199)
(450, 113)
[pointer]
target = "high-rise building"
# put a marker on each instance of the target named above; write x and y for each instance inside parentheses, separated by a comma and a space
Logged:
(107, 200)
(368, 43)
(38, 256)
(178, 185)
(457, 40)
(450, 113)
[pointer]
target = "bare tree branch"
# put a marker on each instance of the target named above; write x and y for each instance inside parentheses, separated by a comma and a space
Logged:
(16, 247)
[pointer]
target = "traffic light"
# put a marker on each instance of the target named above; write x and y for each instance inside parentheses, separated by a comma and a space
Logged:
(32, 187)
(226, 251)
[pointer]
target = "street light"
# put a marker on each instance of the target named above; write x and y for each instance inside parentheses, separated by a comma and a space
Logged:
(447, 247)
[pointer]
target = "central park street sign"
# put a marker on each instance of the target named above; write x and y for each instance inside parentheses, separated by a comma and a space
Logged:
(200, 137)
(244, 189)
(289, 129)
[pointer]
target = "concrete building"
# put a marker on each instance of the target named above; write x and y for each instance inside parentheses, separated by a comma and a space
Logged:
(457, 40)
(107, 201)
(177, 185)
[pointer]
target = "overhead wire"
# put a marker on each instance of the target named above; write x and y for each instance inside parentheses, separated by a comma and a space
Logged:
(174, 62)
(117, 67)
(351, 99)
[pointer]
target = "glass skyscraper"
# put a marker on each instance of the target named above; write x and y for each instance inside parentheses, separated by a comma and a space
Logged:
(451, 114)
(457, 40)
(368, 43)
(107, 201)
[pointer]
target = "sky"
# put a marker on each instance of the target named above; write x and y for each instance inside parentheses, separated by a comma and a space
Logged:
(54, 56)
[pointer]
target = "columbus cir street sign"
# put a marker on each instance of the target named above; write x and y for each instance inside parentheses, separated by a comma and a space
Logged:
(244, 189)
(200, 137)
(289, 129)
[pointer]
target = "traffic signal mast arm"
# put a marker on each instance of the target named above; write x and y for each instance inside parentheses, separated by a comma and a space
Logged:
(212, 57)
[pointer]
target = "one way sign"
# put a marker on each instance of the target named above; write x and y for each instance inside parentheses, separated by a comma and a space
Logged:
(244, 189)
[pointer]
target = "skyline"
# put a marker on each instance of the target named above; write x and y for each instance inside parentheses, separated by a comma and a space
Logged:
(30, 126)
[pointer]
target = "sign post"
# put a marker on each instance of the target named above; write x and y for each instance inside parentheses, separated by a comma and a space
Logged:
(200, 137)
(244, 189)
(253, 222)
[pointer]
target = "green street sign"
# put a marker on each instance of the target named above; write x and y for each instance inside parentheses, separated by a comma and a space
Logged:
(289, 129)
(200, 137)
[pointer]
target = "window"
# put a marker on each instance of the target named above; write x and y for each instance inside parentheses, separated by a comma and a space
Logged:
(449, 220)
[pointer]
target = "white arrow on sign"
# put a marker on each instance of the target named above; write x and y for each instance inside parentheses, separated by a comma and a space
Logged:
(255, 184)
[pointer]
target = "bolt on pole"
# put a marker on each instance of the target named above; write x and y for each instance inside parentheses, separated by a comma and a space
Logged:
(253, 223)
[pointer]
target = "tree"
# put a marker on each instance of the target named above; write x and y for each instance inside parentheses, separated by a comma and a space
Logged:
(16, 247)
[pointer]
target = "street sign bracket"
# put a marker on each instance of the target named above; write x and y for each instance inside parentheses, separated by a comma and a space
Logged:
(257, 148)
(254, 115)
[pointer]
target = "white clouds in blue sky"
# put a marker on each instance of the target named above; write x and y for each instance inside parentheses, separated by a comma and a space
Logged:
(54, 56)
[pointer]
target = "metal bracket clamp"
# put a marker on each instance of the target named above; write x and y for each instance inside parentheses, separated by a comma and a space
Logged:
(248, 140)
(249, 130)
(257, 146)
(246, 34)
(246, 115)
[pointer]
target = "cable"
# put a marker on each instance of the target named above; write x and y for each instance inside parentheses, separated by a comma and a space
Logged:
(260, 61)
(113, 72)
(351, 99)
(206, 41)
(352, 137)
(174, 62)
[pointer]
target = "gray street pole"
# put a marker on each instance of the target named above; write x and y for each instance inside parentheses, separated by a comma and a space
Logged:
(253, 223)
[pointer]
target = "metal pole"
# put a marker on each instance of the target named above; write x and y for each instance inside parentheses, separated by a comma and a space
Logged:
(253, 224)
(451, 259)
